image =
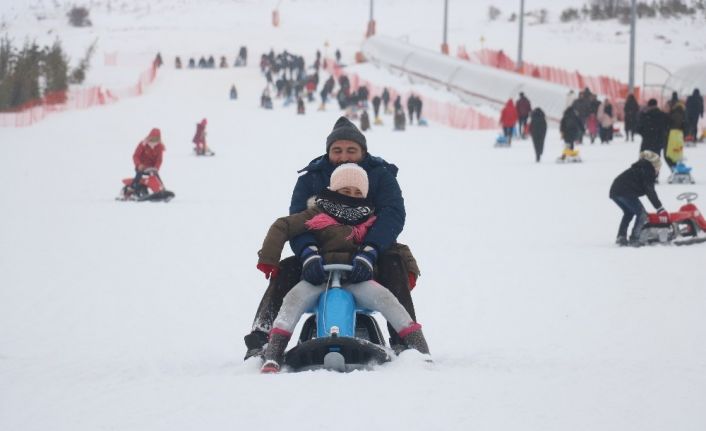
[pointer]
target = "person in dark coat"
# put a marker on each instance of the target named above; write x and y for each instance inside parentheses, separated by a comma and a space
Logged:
(364, 121)
(345, 144)
(571, 128)
(418, 109)
(652, 126)
(538, 131)
(631, 111)
(386, 100)
(376, 107)
(177, 63)
(673, 100)
(233, 92)
(638, 180)
(523, 107)
(411, 104)
(694, 111)
(338, 218)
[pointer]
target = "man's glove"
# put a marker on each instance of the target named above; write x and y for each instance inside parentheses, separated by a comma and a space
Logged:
(269, 270)
(363, 263)
(663, 215)
(312, 266)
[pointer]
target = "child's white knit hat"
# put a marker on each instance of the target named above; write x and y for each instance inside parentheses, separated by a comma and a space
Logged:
(349, 175)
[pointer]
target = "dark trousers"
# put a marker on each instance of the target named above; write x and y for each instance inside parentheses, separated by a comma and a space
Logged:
(632, 207)
(391, 273)
(507, 132)
(521, 123)
(538, 142)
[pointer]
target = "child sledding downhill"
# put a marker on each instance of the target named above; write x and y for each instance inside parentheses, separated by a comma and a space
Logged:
(199, 140)
(339, 218)
(147, 185)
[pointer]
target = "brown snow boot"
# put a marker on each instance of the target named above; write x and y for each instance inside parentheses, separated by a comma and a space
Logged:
(274, 353)
(414, 338)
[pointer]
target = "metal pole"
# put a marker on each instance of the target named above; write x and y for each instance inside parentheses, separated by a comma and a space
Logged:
(522, 27)
(371, 22)
(445, 45)
(631, 73)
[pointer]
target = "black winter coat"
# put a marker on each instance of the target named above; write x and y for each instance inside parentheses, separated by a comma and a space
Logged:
(384, 191)
(631, 111)
(571, 126)
(538, 125)
(695, 106)
(652, 125)
(677, 118)
(638, 180)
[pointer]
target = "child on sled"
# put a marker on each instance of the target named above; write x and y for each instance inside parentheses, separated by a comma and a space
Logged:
(339, 218)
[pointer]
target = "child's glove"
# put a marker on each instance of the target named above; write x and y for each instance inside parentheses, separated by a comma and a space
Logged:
(269, 270)
(363, 263)
(312, 266)
(663, 215)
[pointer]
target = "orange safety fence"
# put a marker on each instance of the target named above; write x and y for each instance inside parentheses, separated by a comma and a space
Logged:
(610, 87)
(447, 113)
(83, 98)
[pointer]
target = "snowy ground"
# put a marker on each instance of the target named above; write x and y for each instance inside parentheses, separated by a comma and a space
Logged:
(130, 316)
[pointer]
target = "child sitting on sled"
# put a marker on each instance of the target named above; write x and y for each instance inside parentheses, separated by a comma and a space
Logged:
(339, 217)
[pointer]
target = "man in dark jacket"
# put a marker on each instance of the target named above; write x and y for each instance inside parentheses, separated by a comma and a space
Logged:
(652, 125)
(694, 111)
(345, 144)
(638, 180)
(631, 111)
(538, 131)
(523, 107)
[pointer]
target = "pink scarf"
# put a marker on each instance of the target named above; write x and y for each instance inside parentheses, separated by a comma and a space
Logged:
(323, 220)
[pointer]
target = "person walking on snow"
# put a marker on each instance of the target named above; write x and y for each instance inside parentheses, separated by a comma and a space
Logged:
(508, 118)
(200, 139)
(538, 131)
(524, 108)
(605, 119)
(339, 218)
(631, 111)
(694, 111)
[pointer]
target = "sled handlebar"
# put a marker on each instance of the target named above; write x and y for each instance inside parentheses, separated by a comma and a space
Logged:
(338, 267)
(688, 196)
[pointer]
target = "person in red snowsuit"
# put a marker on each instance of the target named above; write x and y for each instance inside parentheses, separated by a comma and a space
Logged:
(200, 137)
(148, 154)
(508, 118)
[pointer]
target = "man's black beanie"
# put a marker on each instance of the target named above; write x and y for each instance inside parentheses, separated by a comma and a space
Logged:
(345, 130)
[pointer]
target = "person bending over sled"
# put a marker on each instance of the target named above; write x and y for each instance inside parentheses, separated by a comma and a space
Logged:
(638, 180)
(339, 218)
(148, 154)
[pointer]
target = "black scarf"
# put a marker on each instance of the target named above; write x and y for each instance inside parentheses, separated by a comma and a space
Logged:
(345, 209)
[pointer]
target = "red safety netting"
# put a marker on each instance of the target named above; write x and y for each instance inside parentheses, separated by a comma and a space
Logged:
(604, 85)
(447, 113)
(36, 110)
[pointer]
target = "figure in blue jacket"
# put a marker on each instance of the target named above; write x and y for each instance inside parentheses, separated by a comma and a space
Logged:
(396, 268)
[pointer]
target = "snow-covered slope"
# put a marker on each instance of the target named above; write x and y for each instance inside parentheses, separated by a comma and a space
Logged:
(130, 316)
